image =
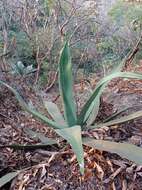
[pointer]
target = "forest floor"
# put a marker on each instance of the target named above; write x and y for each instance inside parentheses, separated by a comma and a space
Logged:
(55, 167)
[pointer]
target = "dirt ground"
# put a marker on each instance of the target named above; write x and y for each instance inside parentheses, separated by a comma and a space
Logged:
(55, 167)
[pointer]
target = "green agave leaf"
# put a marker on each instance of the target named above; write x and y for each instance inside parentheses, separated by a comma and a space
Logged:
(119, 121)
(94, 111)
(40, 136)
(55, 113)
(7, 178)
(125, 150)
(116, 114)
(66, 86)
(73, 136)
(120, 66)
(30, 110)
(87, 108)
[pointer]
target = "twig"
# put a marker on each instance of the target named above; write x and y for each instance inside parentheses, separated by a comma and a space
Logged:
(5, 116)
(56, 98)
(66, 22)
(39, 65)
(52, 83)
(116, 173)
(50, 153)
(133, 53)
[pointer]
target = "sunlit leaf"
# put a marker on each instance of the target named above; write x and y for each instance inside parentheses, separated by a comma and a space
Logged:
(73, 136)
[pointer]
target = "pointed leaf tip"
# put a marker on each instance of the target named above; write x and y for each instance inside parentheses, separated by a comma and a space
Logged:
(66, 85)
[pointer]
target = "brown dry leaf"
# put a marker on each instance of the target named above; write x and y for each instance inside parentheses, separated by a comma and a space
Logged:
(139, 168)
(34, 173)
(112, 176)
(119, 163)
(99, 171)
(25, 180)
(131, 169)
(43, 172)
(111, 165)
(95, 135)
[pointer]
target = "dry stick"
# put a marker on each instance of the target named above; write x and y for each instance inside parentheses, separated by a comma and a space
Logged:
(133, 53)
(52, 83)
(115, 174)
(56, 98)
(66, 23)
(39, 65)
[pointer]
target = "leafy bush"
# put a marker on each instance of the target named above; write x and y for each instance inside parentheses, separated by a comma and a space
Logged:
(44, 77)
(24, 51)
(125, 12)
(70, 125)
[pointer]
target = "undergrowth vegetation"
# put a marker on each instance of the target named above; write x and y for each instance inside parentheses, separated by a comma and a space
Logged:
(69, 39)
(70, 125)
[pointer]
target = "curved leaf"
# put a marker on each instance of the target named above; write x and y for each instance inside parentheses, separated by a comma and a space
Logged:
(87, 108)
(94, 111)
(7, 178)
(73, 136)
(30, 110)
(55, 113)
(125, 150)
(119, 121)
(66, 86)
(116, 114)
(40, 136)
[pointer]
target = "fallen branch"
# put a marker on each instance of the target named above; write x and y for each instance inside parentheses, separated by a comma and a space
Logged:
(133, 53)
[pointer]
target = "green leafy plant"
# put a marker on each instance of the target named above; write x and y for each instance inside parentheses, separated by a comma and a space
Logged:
(70, 125)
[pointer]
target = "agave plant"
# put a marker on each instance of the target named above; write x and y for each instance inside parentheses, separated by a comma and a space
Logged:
(20, 69)
(70, 125)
